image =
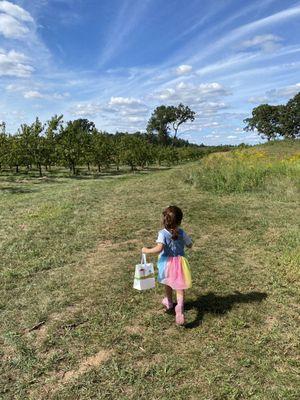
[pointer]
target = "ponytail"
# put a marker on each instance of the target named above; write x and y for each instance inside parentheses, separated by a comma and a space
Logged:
(172, 217)
(174, 232)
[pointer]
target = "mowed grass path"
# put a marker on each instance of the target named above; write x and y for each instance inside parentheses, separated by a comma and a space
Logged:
(72, 327)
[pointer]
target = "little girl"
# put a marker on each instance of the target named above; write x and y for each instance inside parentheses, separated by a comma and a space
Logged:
(173, 267)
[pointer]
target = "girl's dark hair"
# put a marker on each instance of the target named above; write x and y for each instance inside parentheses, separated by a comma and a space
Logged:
(172, 217)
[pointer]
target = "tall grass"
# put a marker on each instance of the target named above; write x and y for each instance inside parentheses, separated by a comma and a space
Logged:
(242, 170)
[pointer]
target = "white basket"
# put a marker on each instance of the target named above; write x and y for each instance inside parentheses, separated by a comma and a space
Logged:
(144, 275)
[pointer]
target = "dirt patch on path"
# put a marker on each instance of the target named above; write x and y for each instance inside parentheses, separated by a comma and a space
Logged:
(87, 364)
(57, 381)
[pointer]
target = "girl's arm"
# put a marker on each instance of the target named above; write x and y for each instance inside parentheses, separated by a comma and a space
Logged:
(153, 250)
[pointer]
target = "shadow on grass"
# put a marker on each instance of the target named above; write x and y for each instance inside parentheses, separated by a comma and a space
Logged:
(55, 176)
(16, 190)
(213, 304)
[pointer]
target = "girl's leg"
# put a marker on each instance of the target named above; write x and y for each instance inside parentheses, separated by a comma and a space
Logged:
(179, 309)
(169, 293)
(168, 300)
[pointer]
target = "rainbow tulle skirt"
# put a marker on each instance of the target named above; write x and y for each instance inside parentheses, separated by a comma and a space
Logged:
(174, 272)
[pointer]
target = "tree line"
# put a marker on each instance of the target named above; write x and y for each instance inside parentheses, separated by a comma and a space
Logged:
(272, 122)
(78, 142)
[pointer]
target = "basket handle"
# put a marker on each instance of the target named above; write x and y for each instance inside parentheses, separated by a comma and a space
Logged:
(143, 260)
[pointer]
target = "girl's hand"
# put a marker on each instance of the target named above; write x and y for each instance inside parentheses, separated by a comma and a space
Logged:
(144, 250)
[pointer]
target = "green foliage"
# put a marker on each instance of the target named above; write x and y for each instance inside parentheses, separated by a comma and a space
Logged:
(51, 151)
(266, 120)
(182, 114)
(159, 122)
(290, 119)
(164, 116)
(273, 121)
(135, 151)
(78, 143)
(74, 142)
(101, 149)
(14, 156)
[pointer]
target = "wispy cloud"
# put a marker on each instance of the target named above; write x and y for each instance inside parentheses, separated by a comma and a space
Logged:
(15, 11)
(237, 33)
(267, 43)
(283, 92)
(127, 19)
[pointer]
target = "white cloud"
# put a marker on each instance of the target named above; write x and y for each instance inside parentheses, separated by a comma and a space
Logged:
(124, 101)
(267, 43)
(85, 110)
(30, 90)
(131, 111)
(14, 21)
(33, 94)
(211, 107)
(15, 11)
(12, 87)
(184, 69)
(287, 91)
(136, 119)
(13, 63)
(191, 93)
(258, 99)
(60, 96)
(10, 27)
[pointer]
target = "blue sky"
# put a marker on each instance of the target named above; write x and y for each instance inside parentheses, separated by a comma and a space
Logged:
(114, 61)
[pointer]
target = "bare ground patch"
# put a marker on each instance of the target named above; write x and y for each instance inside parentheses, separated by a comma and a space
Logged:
(87, 364)
(57, 380)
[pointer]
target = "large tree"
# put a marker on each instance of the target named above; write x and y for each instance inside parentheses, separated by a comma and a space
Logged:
(164, 117)
(290, 118)
(266, 120)
(159, 122)
(182, 114)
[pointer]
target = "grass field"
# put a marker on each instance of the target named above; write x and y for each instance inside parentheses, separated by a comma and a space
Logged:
(72, 327)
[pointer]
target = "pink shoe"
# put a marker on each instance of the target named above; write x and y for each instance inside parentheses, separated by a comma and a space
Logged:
(167, 303)
(179, 314)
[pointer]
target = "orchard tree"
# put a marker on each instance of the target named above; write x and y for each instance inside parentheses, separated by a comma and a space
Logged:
(33, 144)
(135, 151)
(73, 142)
(54, 126)
(3, 148)
(15, 155)
(102, 149)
